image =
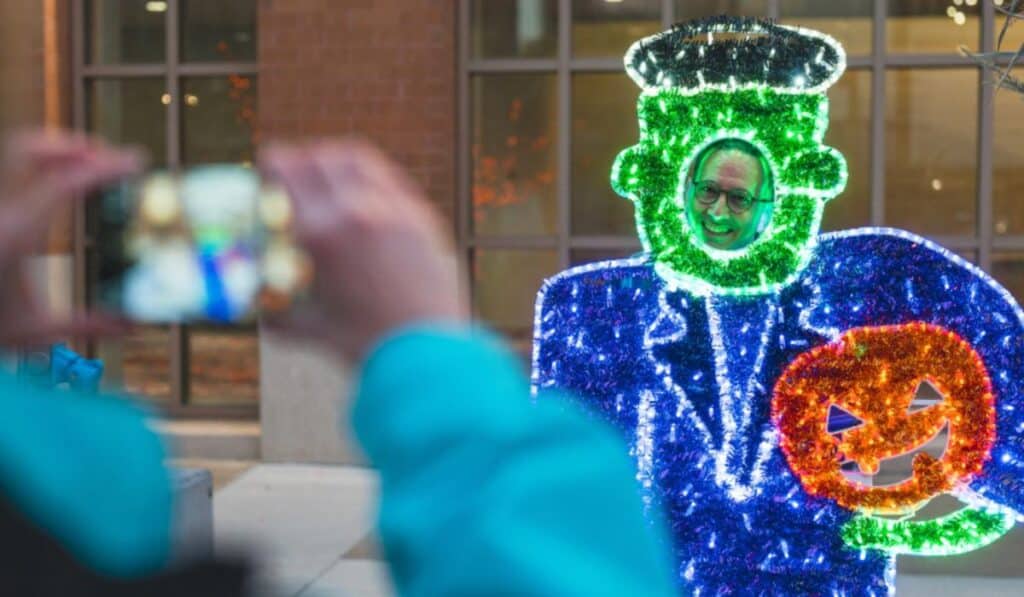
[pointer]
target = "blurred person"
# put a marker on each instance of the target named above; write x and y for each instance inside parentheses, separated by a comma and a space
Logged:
(482, 492)
(85, 499)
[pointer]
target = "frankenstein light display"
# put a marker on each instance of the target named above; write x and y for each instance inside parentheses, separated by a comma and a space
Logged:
(724, 367)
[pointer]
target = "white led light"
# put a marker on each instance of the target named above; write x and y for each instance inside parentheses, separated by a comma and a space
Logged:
(644, 443)
(837, 70)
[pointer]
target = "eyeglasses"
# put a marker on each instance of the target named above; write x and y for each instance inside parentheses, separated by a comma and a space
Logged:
(706, 192)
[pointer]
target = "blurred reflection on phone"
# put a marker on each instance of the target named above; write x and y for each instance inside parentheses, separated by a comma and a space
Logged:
(211, 244)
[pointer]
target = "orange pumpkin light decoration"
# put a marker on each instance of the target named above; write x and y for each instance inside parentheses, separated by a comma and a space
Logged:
(873, 373)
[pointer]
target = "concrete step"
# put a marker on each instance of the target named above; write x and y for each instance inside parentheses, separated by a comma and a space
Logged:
(216, 440)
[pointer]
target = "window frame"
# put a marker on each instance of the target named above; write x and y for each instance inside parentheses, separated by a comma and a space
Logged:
(564, 66)
(172, 70)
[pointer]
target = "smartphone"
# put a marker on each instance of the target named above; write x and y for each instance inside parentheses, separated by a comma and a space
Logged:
(210, 244)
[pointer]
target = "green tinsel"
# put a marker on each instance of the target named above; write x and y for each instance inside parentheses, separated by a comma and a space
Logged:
(788, 128)
(965, 530)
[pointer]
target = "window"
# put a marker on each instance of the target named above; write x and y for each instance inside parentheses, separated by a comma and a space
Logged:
(546, 106)
(178, 78)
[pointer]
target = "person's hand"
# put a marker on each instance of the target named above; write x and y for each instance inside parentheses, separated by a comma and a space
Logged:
(41, 173)
(379, 255)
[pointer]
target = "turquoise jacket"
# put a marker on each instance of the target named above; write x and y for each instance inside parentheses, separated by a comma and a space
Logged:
(484, 492)
(88, 470)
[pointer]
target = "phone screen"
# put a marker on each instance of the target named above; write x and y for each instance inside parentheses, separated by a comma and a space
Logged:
(211, 244)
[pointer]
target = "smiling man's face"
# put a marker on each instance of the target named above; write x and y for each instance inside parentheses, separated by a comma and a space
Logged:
(723, 172)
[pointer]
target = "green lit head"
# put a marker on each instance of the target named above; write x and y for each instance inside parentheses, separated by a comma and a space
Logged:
(746, 111)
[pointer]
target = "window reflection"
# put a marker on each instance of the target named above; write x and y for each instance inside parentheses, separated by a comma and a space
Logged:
(1007, 158)
(218, 119)
(514, 130)
(931, 150)
(932, 26)
(849, 131)
(505, 284)
(1013, 38)
(124, 31)
(601, 28)
(604, 122)
(694, 9)
(1008, 270)
(849, 21)
(139, 363)
(223, 365)
(584, 256)
(221, 31)
(133, 111)
(130, 112)
(513, 28)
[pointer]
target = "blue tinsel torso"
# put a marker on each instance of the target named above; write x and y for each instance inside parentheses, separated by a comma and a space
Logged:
(688, 381)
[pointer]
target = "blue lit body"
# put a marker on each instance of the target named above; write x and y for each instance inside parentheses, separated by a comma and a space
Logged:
(688, 381)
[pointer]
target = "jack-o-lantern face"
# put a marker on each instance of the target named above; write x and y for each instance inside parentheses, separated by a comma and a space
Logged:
(873, 373)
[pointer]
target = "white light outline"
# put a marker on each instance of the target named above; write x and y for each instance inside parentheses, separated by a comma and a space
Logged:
(725, 477)
(643, 446)
(839, 67)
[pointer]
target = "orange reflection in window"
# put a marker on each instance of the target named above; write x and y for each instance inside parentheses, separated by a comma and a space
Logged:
(510, 175)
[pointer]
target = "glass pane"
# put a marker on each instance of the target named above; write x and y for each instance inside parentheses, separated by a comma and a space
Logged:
(218, 119)
(932, 26)
(849, 131)
(602, 28)
(139, 363)
(1014, 37)
(1008, 270)
(849, 21)
(514, 130)
(505, 285)
(604, 122)
(513, 28)
(124, 31)
(222, 31)
(1007, 158)
(693, 9)
(583, 256)
(931, 150)
(224, 365)
(130, 111)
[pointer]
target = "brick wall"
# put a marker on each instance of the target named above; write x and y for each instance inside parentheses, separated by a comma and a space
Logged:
(21, 65)
(34, 87)
(384, 69)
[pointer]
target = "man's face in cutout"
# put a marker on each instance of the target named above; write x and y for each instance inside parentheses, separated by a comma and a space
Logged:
(715, 223)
